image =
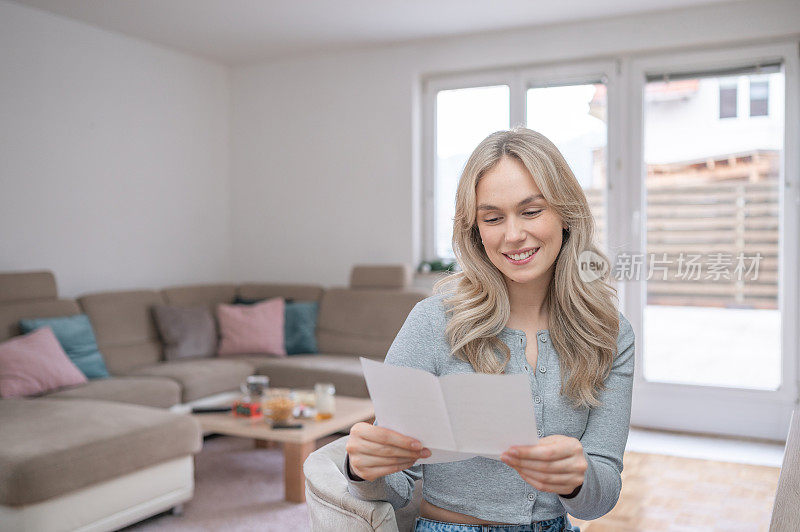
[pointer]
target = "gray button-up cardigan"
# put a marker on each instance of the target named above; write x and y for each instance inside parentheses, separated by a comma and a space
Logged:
(489, 489)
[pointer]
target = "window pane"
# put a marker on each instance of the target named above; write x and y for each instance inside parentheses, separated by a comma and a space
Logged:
(759, 97)
(712, 224)
(464, 117)
(727, 101)
(574, 118)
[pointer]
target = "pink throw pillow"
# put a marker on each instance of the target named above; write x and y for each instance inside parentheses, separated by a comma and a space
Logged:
(35, 363)
(250, 329)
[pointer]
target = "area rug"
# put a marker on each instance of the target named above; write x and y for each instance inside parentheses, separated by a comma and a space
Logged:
(238, 487)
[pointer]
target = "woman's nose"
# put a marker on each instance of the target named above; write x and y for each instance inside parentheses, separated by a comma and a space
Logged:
(514, 231)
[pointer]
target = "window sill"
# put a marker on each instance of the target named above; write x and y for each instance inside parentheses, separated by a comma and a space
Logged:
(425, 280)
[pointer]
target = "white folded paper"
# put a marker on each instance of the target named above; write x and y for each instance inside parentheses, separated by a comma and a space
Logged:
(456, 416)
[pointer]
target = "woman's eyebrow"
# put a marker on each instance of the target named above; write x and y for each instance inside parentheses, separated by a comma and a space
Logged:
(485, 207)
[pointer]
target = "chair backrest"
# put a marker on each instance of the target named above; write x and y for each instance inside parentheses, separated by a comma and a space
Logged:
(786, 508)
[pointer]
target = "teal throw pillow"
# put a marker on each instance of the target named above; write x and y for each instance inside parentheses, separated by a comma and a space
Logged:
(76, 336)
(300, 324)
(299, 329)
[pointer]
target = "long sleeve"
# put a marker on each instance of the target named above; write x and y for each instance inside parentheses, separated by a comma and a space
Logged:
(412, 347)
(606, 435)
(397, 488)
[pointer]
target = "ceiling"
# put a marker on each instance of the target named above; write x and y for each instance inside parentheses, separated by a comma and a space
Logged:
(245, 31)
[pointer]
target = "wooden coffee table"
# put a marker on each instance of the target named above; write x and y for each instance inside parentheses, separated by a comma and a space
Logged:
(297, 443)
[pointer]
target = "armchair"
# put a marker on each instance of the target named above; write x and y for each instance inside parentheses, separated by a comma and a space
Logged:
(332, 508)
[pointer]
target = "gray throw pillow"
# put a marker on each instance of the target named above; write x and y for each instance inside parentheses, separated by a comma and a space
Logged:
(187, 332)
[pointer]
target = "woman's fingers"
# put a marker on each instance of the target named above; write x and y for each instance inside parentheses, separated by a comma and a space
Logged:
(384, 436)
(363, 461)
(552, 482)
(543, 466)
(378, 449)
(548, 478)
(545, 486)
(374, 472)
(380, 441)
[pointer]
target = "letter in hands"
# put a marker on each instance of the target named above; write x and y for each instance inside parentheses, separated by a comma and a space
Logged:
(555, 464)
(377, 451)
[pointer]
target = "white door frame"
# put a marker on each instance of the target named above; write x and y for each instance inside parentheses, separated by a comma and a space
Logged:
(708, 409)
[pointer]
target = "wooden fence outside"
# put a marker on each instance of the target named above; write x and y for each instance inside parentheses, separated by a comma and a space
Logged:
(721, 221)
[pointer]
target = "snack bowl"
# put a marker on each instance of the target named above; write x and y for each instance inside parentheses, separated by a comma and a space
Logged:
(278, 405)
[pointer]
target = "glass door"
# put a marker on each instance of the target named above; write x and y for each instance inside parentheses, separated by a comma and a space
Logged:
(715, 287)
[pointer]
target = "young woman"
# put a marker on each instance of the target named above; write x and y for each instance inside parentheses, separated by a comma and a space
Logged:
(518, 305)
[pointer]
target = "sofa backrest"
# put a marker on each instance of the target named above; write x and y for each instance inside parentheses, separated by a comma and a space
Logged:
(360, 320)
(363, 319)
(385, 276)
(298, 292)
(199, 294)
(124, 326)
(30, 295)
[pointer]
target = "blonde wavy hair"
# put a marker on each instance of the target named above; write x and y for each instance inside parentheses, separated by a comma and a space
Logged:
(583, 316)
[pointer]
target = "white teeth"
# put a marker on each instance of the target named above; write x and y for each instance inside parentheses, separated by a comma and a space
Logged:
(522, 256)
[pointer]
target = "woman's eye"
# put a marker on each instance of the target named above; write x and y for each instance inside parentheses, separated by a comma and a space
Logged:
(526, 213)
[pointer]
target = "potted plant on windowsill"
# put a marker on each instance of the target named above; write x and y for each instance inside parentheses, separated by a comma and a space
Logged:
(436, 266)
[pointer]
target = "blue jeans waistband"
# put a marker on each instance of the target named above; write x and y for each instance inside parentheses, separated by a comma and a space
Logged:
(557, 524)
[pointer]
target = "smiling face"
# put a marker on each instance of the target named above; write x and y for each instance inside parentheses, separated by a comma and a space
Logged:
(513, 220)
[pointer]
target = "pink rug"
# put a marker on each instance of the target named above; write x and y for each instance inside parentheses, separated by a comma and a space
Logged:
(237, 487)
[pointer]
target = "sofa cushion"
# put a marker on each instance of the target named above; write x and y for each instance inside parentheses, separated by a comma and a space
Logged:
(252, 328)
(124, 326)
(300, 324)
(35, 363)
(396, 276)
(200, 377)
(21, 286)
(209, 295)
(186, 331)
(362, 322)
(49, 447)
(295, 292)
(303, 371)
(239, 300)
(300, 329)
(11, 313)
(76, 336)
(158, 392)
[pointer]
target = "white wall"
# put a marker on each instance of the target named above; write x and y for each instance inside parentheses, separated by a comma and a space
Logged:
(114, 157)
(118, 168)
(325, 154)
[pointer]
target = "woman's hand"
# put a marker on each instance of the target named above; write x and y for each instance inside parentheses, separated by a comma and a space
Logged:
(377, 451)
(555, 464)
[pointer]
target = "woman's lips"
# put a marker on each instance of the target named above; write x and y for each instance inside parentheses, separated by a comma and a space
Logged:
(523, 261)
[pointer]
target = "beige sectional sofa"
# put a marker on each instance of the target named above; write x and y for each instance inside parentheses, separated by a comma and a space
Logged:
(111, 452)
